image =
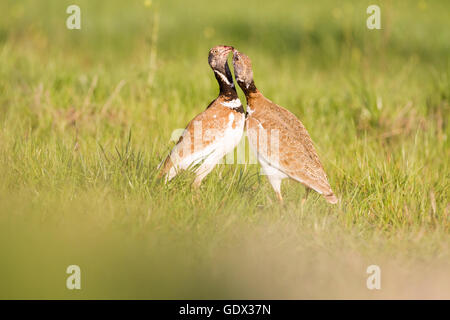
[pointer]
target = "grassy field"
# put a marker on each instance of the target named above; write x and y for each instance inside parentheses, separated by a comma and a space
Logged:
(86, 116)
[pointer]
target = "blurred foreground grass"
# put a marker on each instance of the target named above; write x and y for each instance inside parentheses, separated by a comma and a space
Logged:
(87, 115)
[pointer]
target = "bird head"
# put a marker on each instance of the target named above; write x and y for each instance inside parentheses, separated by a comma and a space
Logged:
(217, 58)
(242, 69)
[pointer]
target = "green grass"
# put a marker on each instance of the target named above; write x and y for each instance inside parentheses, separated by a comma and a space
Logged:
(86, 116)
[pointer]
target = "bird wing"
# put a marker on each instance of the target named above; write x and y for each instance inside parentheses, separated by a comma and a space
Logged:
(203, 135)
(284, 142)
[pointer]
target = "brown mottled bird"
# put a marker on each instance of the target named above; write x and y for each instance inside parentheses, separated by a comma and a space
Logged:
(279, 140)
(212, 133)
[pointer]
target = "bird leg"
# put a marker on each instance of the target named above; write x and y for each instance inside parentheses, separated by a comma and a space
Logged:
(203, 171)
(307, 190)
(280, 198)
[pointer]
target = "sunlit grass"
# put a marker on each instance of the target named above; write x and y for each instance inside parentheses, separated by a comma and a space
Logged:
(86, 116)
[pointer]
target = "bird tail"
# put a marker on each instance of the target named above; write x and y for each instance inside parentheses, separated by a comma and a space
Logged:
(331, 198)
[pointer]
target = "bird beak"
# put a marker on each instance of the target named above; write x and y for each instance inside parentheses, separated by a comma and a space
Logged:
(228, 49)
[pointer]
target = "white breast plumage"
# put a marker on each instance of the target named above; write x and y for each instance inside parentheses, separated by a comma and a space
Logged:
(232, 104)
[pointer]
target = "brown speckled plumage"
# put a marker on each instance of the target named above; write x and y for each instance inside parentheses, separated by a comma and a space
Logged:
(294, 156)
(214, 121)
(212, 133)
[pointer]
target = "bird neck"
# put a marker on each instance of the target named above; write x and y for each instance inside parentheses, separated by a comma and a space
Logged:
(250, 90)
(226, 84)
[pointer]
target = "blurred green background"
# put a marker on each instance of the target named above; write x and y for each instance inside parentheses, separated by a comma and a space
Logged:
(86, 115)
